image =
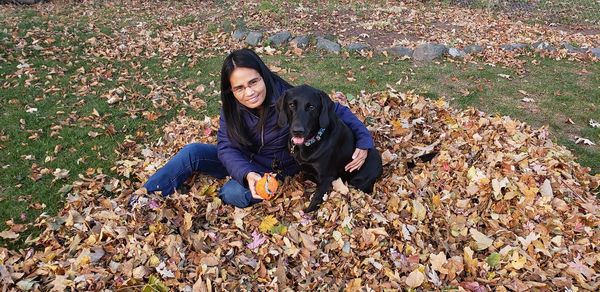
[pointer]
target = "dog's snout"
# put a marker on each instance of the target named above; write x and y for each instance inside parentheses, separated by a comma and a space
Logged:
(297, 131)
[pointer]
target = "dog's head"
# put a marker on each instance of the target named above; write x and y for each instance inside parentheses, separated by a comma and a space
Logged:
(306, 110)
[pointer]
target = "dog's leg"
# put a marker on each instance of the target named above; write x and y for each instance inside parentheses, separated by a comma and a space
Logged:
(365, 178)
(323, 187)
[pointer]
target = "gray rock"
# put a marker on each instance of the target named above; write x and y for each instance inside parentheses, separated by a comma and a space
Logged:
(327, 45)
(456, 53)
(254, 38)
(300, 41)
(280, 38)
(400, 51)
(595, 52)
(239, 34)
(473, 49)
(354, 47)
(571, 49)
(542, 46)
(429, 52)
(511, 47)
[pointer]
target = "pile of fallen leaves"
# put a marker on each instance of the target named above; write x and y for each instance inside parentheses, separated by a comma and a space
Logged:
(500, 206)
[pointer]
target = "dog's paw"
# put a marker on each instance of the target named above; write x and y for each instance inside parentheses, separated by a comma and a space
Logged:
(311, 209)
(314, 205)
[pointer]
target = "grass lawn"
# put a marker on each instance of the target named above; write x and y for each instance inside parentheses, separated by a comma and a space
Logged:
(541, 11)
(55, 112)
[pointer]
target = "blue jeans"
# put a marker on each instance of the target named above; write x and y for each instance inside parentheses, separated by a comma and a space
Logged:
(197, 157)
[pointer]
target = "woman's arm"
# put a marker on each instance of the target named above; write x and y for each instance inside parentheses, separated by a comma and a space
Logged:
(364, 140)
(237, 164)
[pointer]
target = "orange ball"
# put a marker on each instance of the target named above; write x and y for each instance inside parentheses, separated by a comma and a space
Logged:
(267, 186)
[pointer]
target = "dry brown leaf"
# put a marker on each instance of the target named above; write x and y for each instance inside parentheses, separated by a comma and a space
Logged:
(340, 187)
(308, 241)
(482, 240)
(9, 234)
(415, 278)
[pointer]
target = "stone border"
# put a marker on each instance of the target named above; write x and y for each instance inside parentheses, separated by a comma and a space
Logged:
(422, 53)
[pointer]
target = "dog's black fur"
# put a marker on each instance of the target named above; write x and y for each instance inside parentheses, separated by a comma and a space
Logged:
(306, 110)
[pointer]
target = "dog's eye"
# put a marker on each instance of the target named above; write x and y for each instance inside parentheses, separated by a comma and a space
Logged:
(291, 105)
(311, 107)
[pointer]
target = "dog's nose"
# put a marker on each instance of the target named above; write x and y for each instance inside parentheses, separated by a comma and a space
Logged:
(297, 131)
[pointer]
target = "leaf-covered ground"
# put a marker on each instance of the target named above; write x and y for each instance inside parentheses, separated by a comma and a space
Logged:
(501, 206)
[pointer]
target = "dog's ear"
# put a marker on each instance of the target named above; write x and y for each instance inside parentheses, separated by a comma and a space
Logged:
(326, 108)
(282, 121)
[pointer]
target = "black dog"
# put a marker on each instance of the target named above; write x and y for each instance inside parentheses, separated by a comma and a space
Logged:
(321, 142)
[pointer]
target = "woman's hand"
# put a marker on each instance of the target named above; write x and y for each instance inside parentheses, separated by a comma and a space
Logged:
(358, 159)
(252, 178)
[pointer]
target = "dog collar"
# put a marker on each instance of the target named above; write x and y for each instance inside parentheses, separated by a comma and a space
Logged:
(316, 138)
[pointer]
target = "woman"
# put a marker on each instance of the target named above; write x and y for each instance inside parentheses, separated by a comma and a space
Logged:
(249, 142)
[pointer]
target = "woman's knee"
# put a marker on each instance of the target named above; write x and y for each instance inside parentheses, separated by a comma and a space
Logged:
(234, 198)
(232, 193)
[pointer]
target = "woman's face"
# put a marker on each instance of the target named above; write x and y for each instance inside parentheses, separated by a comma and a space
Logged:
(248, 87)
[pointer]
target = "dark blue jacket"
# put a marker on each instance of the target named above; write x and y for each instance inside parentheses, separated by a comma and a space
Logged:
(272, 142)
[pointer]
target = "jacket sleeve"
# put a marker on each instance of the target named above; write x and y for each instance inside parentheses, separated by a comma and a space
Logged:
(238, 165)
(364, 140)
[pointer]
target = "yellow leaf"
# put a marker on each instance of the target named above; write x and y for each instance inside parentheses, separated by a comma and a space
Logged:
(470, 263)
(398, 128)
(441, 102)
(471, 173)
(393, 204)
(354, 285)
(393, 276)
(267, 223)
(209, 191)
(84, 260)
(436, 200)
(153, 261)
(517, 261)
(156, 227)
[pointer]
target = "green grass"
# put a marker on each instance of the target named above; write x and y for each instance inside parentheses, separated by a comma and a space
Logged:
(579, 11)
(185, 20)
(549, 11)
(268, 6)
(561, 89)
(79, 151)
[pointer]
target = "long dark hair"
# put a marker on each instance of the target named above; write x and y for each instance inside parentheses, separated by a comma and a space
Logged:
(245, 58)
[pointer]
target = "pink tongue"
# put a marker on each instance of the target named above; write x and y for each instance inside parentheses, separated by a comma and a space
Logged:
(298, 140)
